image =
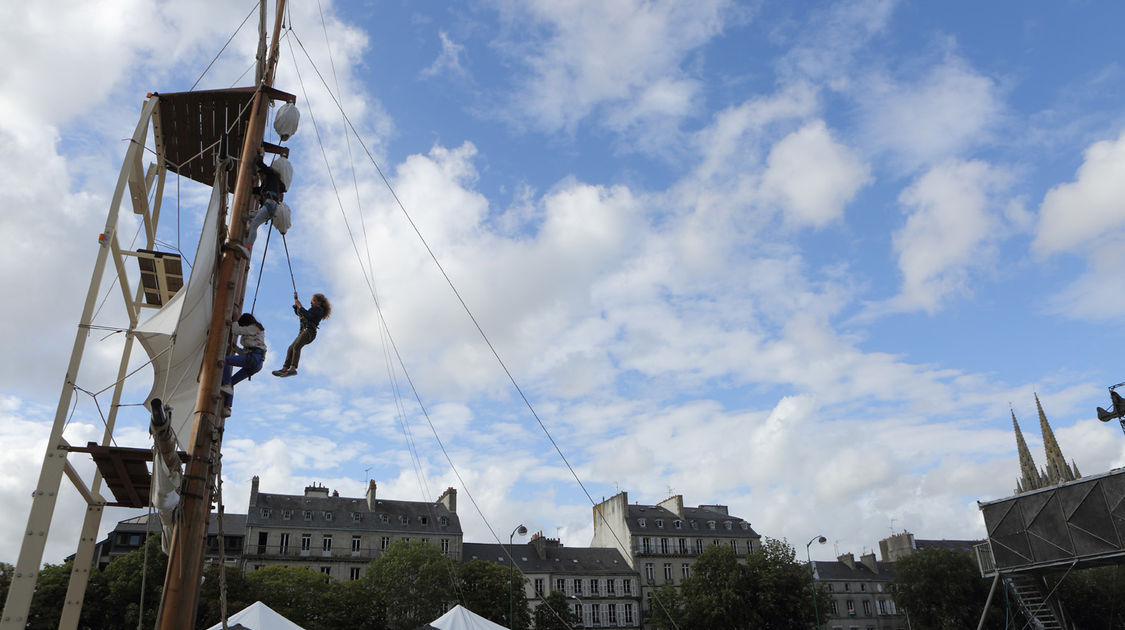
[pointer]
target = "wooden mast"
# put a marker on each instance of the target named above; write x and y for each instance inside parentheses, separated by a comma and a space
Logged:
(180, 597)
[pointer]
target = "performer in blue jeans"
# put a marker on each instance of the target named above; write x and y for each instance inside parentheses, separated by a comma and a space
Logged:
(250, 359)
(319, 309)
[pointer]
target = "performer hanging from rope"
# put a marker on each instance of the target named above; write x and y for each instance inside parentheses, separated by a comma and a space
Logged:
(270, 192)
(319, 309)
(249, 359)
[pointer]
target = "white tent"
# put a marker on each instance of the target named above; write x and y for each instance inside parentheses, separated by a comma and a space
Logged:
(258, 616)
(461, 618)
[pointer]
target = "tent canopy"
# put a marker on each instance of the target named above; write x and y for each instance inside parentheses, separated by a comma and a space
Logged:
(258, 616)
(461, 618)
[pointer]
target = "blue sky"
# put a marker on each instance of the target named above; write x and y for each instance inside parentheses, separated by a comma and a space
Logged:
(797, 258)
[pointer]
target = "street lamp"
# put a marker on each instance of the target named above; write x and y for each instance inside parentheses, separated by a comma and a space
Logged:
(812, 577)
(582, 607)
(521, 530)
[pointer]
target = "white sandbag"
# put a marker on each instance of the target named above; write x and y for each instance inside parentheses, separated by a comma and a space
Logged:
(281, 217)
(285, 123)
(284, 170)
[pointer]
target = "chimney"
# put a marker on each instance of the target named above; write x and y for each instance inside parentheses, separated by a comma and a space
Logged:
(336, 493)
(674, 504)
(540, 545)
(848, 560)
(371, 495)
(868, 560)
(316, 490)
(449, 499)
(254, 490)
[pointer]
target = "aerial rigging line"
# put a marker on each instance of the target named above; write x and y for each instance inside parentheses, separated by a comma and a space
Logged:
(229, 40)
(464, 305)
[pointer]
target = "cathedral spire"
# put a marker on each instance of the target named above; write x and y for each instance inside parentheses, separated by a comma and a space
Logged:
(1058, 471)
(1030, 479)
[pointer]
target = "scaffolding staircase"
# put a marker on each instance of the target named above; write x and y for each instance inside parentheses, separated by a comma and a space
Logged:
(1043, 612)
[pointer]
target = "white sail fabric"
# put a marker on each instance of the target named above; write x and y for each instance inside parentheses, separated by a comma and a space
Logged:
(175, 336)
(285, 123)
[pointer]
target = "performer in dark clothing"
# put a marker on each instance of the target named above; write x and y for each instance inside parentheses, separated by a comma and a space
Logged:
(319, 309)
(270, 192)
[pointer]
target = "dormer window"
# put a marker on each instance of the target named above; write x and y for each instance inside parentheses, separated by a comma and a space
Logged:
(384, 518)
(660, 522)
(307, 514)
(444, 520)
(641, 522)
(694, 525)
(424, 520)
(356, 517)
(403, 519)
(286, 514)
(745, 525)
(710, 524)
(328, 516)
(727, 525)
(266, 512)
(677, 524)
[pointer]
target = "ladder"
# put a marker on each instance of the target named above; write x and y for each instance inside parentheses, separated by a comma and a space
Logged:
(1042, 613)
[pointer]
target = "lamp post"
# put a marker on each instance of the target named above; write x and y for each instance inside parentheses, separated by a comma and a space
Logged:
(582, 607)
(812, 578)
(521, 530)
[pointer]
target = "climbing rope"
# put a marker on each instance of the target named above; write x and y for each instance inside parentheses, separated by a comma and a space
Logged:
(289, 262)
(144, 568)
(261, 269)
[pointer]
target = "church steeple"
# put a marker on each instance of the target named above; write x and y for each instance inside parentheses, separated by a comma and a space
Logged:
(1058, 471)
(1030, 479)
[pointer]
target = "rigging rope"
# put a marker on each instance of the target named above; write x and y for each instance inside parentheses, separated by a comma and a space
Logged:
(144, 564)
(261, 269)
(229, 40)
(290, 263)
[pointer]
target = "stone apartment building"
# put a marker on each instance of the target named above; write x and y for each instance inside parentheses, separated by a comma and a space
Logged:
(129, 536)
(600, 585)
(859, 594)
(339, 536)
(662, 541)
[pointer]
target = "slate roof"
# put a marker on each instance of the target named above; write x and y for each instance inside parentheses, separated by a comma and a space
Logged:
(400, 516)
(694, 523)
(233, 524)
(837, 570)
(559, 559)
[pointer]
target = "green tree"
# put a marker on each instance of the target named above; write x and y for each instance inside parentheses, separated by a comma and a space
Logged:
(554, 613)
(50, 593)
(297, 593)
(484, 589)
(6, 573)
(414, 583)
(940, 589)
(1093, 598)
(239, 595)
(668, 608)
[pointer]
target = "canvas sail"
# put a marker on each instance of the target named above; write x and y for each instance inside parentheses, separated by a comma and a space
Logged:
(175, 336)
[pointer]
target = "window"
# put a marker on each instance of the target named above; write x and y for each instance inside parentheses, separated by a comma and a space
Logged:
(628, 614)
(677, 524)
(560, 585)
(609, 586)
(851, 607)
(867, 608)
(307, 514)
(403, 519)
(698, 545)
(266, 512)
(863, 586)
(384, 542)
(830, 588)
(326, 542)
(627, 586)
(283, 547)
(685, 570)
(406, 539)
(612, 610)
(353, 573)
(356, 543)
(641, 522)
(650, 574)
(326, 570)
(425, 540)
(577, 586)
(667, 571)
(356, 517)
(694, 525)
(646, 545)
(286, 514)
(424, 520)
(744, 525)
(847, 586)
(329, 516)
(538, 586)
(727, 525)
(683, 545)
(734, 546)
(660, 522)
(384, 518)
(578, 610)
(445, 545)
(596, 614)
(749, 546)
(444, 521)
(714, 542)
(262, 539)
(593, 586)
(664, 545)
(879, 587)
(881, 606)
(306, 542)
(835, 608)
(710, 524)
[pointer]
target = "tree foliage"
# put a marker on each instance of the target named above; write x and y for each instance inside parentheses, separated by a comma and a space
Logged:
(297, 593)
(1093, 598)
(770, 591)
(413, 582)
(554, 613)
(941, 589)
(485, 590)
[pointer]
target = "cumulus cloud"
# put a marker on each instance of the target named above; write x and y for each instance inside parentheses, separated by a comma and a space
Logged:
(951, 230)
(1084, 212)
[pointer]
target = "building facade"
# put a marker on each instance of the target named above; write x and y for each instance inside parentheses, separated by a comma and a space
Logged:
(338, 536)
(601, 588)
(129, 535)
(859, 594)
(661, 542)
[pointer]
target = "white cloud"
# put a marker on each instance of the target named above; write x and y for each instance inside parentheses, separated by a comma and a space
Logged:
(449, 60)
(811, 176)
(951, 230)
(1077, 216)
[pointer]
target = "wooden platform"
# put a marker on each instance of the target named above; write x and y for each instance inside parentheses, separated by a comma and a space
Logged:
(125, 471)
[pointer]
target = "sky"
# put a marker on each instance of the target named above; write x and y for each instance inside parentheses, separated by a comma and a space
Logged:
(803, 259)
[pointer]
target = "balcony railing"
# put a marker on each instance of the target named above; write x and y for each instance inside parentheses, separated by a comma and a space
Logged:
(318, 553)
